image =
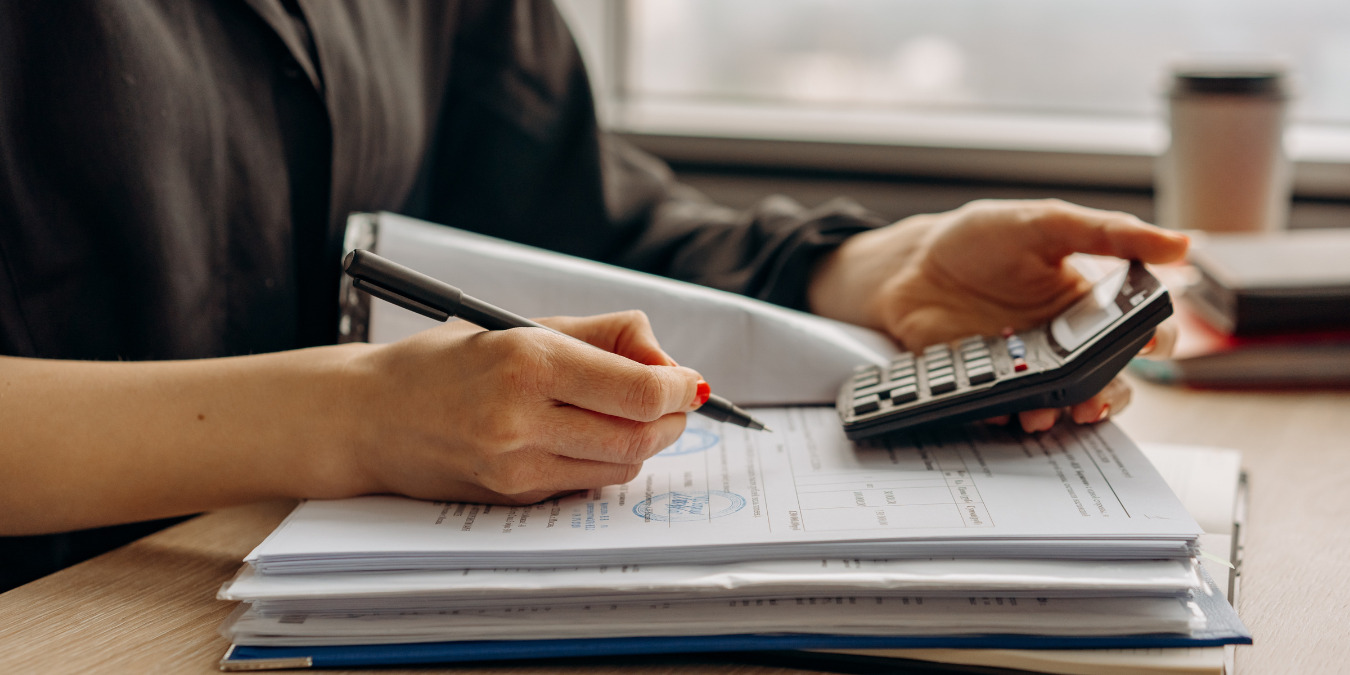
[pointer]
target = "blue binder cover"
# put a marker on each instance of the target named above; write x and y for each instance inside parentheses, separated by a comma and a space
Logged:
(1224, 627)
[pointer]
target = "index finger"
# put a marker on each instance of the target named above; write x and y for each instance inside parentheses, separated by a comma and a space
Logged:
(627, 333)
(1068, 228)
(597, 380)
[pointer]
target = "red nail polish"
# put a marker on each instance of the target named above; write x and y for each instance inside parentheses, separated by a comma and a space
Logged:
(704, 391)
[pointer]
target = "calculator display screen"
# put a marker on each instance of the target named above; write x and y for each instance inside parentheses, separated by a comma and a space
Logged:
(1092, 314)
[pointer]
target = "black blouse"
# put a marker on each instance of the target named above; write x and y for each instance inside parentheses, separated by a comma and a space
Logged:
(175, 176)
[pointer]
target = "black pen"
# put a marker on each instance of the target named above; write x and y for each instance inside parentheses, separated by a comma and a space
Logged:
(412, 290)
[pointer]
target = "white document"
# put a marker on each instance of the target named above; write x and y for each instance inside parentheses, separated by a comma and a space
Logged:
(1207, 481)
(752, 352)
(495, 588)
(845, 615)
(723, 493)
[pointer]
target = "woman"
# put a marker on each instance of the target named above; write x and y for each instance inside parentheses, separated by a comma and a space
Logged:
(175, 179)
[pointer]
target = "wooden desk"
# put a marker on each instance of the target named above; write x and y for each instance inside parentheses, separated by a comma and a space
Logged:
(150, 606)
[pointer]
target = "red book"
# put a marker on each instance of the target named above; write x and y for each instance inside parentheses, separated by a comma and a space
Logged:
(1207, 357)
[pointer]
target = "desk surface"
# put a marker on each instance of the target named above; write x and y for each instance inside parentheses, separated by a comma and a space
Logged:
(150, 606)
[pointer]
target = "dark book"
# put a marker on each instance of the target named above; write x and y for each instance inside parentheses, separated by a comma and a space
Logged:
(1285, 283)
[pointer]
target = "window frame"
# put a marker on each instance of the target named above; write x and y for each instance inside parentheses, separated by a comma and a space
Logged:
(1032, 148)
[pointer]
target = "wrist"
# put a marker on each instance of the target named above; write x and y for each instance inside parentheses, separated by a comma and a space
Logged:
(862, 282)
(824, 285)
(336, 426)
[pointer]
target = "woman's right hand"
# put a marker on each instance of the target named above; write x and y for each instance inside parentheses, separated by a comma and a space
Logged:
(461, 414)
(453, 413)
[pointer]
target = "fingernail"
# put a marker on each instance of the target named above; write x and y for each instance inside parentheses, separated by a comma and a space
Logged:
(1038, 420)
(1050, 421)
(704, 391)
(1148, 348)
(1106, 411)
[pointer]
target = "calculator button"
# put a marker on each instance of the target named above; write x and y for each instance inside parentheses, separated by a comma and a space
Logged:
(942, 385)
(944, 371)
(874, 389)
(980, 376)
(1019, 364)
(906, 381)
(976, 364)
(865, 381)
(866, 404)
(905, 394)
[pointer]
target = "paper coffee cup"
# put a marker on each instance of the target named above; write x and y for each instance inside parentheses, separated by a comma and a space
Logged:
(1225, 169)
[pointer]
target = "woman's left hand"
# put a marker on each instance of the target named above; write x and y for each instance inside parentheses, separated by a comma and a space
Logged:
(979, 269)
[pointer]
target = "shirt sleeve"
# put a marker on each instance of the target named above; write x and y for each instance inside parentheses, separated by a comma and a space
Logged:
(519, 155)
(766, 251)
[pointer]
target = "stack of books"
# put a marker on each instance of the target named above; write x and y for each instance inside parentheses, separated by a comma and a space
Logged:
(1270, 310)
(731, 540)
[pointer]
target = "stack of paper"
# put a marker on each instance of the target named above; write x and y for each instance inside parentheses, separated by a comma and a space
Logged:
(517, 587)
(850, 615)
(1061, 538)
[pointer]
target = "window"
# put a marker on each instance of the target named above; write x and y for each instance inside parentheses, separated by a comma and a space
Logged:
(1055, 82)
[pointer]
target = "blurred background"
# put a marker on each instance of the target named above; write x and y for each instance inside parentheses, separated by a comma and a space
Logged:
(961, 98)
(1079, 57)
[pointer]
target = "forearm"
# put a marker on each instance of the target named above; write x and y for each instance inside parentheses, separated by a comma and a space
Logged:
(94, 443)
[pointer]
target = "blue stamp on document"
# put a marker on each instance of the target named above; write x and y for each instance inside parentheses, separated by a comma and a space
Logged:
(691, 441)
(683, 507)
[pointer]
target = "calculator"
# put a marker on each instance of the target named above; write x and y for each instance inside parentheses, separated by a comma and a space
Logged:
(1062, 362)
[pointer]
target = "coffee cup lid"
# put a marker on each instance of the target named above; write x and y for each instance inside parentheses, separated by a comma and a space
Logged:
(1245, 79)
